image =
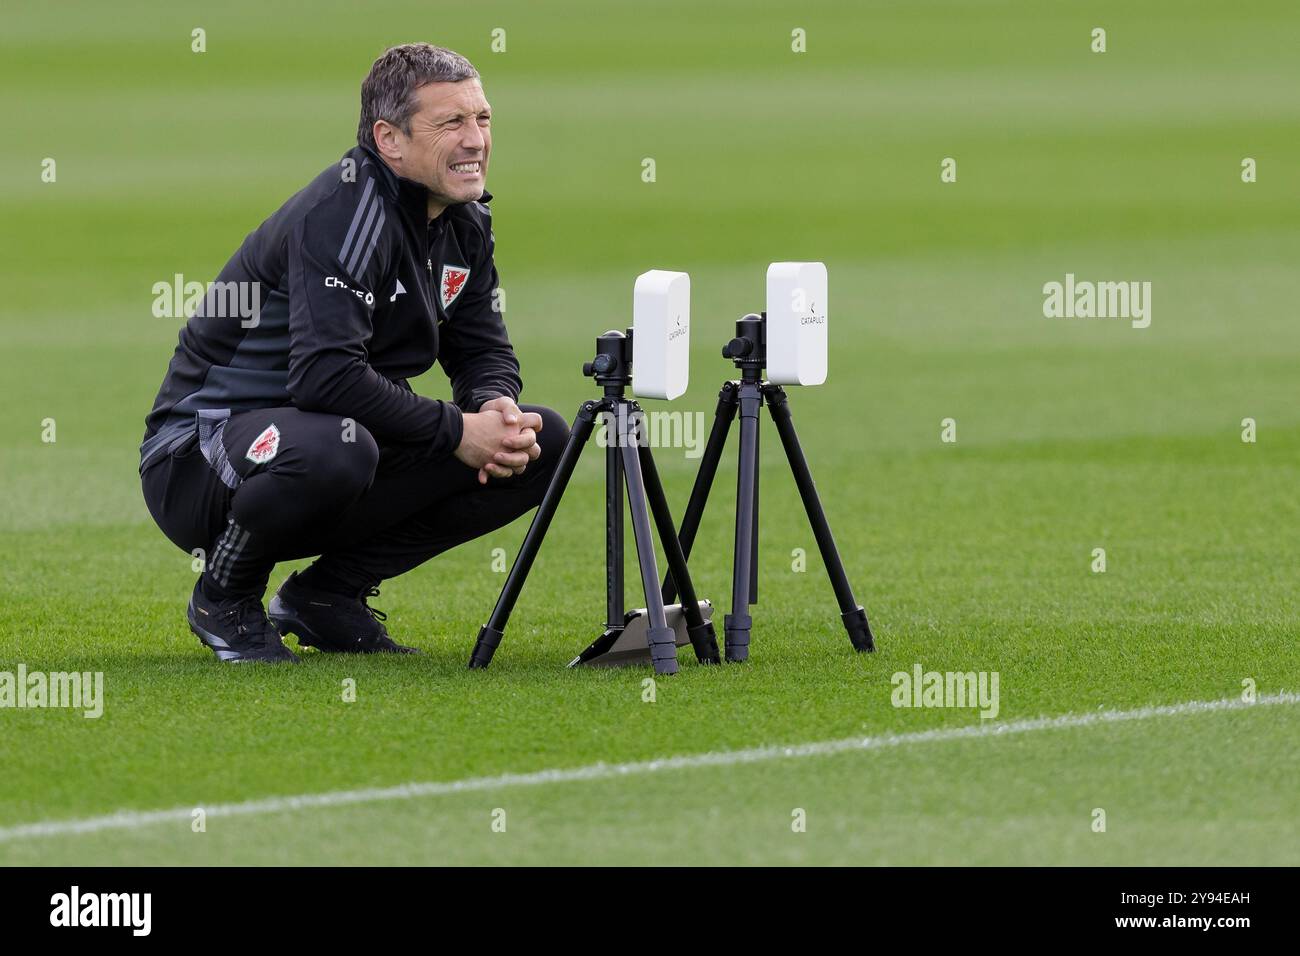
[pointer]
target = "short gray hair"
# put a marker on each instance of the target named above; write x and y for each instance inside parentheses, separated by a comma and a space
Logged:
(388, 91)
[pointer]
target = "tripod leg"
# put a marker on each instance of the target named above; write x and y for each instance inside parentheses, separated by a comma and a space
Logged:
(753, 538)
(701, 631)
(852, 613)
(489, 636)
(659, 636)
(722, 418)
(738, 622)
(613, 528)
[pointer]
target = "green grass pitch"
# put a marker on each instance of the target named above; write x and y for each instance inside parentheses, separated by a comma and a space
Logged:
(1072, 434)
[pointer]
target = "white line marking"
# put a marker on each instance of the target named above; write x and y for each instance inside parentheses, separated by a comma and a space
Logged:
(132, 819)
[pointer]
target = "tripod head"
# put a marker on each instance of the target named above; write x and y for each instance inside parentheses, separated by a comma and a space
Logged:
(748, 350)
(612, 366)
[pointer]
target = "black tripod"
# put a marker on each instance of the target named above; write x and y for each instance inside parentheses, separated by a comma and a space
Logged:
(626, 460)
(748, 351)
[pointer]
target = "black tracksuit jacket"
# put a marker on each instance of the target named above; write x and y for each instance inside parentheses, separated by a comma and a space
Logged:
(358, 293)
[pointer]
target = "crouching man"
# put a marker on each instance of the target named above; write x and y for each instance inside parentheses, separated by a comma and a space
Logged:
(292, 432)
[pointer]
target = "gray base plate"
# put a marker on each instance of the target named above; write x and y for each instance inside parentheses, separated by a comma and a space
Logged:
(628, 646)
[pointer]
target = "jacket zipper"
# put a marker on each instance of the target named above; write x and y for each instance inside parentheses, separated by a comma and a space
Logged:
(428, 264)
(430, 238)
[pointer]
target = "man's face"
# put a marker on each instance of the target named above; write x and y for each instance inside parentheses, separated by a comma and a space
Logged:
(447, 149)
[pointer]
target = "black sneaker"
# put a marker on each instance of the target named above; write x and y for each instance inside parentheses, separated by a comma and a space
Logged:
(334, 623)
(237, 631)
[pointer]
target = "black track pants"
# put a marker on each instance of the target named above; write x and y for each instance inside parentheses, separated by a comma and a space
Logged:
(279, 484)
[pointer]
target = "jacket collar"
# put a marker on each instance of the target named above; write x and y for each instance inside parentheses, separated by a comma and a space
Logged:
(407, 193)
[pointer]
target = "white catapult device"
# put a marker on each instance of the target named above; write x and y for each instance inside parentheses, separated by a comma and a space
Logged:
(653, 359)
(796, 323)
(661, 340)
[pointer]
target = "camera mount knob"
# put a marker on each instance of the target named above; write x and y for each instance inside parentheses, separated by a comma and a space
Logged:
(737, 348)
